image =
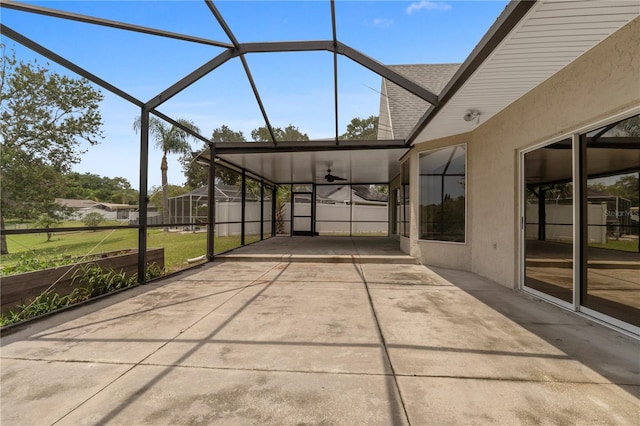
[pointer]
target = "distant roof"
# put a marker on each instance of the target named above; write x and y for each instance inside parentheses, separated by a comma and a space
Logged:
(405, 108)
(365, 192)
(223, 193)
(75, 204)
(115, 206)
(368, 193)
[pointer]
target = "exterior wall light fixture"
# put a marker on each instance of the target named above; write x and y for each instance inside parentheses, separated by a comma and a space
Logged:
(472, 115)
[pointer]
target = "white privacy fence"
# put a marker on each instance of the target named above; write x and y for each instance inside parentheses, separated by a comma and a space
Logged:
(559, 219)
(229, 218)
(330, 218)
(336, 219)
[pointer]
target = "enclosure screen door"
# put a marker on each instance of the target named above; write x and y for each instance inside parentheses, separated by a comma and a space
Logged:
(302, 213)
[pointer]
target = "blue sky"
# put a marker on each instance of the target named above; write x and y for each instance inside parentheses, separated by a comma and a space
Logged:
(296, 88)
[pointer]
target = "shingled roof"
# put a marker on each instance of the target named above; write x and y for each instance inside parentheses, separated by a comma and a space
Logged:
(401, 110)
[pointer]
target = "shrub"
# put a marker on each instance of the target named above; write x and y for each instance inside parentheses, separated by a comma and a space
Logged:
(93, 219)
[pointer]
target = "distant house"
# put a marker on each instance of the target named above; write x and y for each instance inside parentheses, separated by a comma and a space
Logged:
(111, 211)
(74, 209)
(351, 194)
(75, 205)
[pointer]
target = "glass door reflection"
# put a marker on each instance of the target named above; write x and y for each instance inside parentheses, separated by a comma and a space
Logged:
(612, 282)
(549, 220)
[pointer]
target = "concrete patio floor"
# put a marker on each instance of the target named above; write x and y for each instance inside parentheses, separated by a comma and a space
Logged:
(309, 342)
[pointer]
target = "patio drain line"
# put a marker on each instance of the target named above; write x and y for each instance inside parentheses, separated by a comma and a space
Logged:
(360, 271)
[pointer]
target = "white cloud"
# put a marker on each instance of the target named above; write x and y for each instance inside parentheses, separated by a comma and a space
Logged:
(427, 5)
(382, 22)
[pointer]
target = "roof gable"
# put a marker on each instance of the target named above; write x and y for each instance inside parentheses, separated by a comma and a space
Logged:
(406, 109)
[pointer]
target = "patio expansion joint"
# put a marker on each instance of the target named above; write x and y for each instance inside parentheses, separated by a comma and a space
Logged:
(140, 362)
(271, 370)
(514, 379)
(197, 367)
(68, 361)
(360, 271)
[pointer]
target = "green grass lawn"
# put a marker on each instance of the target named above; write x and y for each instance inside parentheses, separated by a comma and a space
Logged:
(620, 245)
(178, 247)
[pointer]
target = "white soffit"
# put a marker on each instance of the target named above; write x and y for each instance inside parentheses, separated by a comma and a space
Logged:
(356, 166)
(549, 37)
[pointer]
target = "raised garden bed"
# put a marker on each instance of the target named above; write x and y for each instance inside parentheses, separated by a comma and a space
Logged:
(15, 289)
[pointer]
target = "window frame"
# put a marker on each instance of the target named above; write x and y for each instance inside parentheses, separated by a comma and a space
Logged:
(466, 198)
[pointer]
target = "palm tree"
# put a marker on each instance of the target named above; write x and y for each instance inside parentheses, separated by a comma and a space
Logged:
(171, 140)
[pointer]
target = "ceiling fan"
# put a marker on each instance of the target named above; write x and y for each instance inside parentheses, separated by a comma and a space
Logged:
(331, 178)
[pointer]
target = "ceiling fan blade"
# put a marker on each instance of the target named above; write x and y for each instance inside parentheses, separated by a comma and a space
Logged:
(331, 178)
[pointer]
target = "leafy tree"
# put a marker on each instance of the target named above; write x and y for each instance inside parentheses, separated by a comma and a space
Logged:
(383, 189)
(93, 219)
(48, 221)
(630, 127)
(89, 186)
(225, 134)
(170, 140)
(253, 188)
(289, 133)
(44, 116)
(198, 175)
(283, 196)
(626, 187)
(361, 129)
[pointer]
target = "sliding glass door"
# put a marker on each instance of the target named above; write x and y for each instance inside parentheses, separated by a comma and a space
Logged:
(581, 228)
(611, 284)
(548, 220)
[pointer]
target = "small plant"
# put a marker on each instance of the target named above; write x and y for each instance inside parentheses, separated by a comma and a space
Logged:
(92, 280)
(153, 271)
(43, 304)
(30, 261)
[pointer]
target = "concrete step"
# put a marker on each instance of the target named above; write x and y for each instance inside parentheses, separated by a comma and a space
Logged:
(319, 258)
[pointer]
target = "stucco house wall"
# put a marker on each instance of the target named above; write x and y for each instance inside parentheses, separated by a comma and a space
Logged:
(603, 82)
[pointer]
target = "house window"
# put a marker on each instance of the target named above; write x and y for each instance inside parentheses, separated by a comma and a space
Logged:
(442, 194)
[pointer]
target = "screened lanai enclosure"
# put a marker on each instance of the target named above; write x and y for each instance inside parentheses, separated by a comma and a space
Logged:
(155, 136)
(281, 183)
